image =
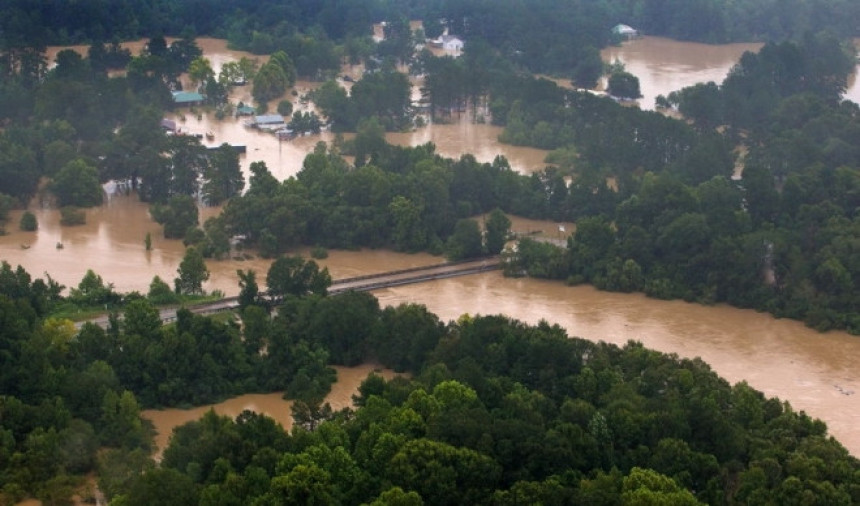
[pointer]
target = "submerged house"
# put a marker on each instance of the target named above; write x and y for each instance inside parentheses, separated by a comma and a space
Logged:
(187, 98)
(625, 31)
(269, 122)
(452, 43)
(448, 43)
(245, 110)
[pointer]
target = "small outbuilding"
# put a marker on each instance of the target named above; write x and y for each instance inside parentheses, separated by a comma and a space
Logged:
(187, 98)
(168, 125)
(245, 110)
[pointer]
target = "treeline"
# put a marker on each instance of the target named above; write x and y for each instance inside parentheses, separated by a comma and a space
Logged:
(384, 95)
(538, 422)
(780, 239)
(497, 412)
(543, 35)
(410, 199)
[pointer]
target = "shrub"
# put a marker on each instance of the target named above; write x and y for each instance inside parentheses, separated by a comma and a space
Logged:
(71, 216)
(285, 108)
(28, 222)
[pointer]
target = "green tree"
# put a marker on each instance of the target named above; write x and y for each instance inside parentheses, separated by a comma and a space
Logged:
(249, 291)
(224, 177)
(408, 234)
(28, 222)
(121, 423)
(294, 275)
(92, 290)
(285, 108)
(160, 292)
(200, 70)
(178, 215)
(448, 474)
(161, 486)
(645, 487)
(77, 184)
(304, 484)
(192, 273)
(623, 85)
(588, 68)
(396, 496)
(498, 227)
(466, 241)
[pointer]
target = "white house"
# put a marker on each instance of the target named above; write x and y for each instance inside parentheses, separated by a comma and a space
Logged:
(626, 31)
(451, 43)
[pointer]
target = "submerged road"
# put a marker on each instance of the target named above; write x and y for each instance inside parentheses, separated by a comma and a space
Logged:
(358, 284)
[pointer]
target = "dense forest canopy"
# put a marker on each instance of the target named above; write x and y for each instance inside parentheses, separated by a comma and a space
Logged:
(649, 179)
(59, 22)
(495, 412)
(542, 34)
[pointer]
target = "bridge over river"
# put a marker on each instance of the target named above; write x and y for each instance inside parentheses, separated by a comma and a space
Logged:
(364, 283)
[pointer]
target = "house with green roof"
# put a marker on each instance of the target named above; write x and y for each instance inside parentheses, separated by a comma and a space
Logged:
(187, 98)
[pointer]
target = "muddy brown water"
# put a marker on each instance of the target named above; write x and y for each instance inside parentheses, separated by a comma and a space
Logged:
(272, 405)
(664, 65)
(782, 358)
(815, 372)
(112, 244)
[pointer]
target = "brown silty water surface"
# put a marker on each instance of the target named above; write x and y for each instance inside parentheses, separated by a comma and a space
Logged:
(272, 405)
(816, 372)
(665, 65)
(782, 358)
(112, 244)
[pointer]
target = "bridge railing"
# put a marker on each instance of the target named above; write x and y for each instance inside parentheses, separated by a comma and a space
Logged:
(408, 270)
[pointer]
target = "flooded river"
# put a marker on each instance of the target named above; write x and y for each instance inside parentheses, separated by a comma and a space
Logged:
(816, 372)
(782, 358)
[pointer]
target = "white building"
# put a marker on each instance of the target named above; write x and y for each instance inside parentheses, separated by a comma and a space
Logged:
(626, 31)
(451, 43)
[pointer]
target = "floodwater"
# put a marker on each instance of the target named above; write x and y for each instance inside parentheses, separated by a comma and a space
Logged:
(815, 372)
(664, 65)
(272, 405)
(782, 358)
(284, 158)
(112, 244)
